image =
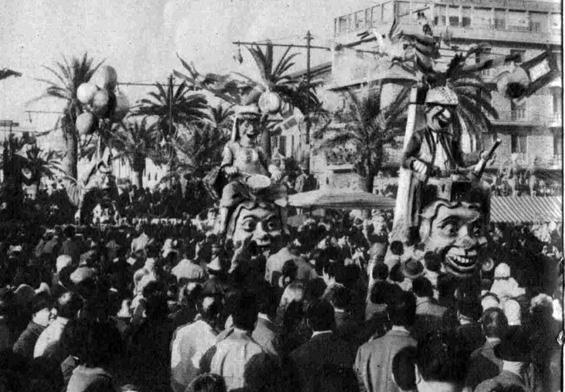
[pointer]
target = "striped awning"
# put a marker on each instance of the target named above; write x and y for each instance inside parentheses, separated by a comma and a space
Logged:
(525, 209)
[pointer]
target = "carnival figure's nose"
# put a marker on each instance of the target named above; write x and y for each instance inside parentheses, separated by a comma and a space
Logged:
(260, 234)
(465, 239)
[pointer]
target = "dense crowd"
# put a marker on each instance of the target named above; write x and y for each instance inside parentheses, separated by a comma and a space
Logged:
(171, 307)
(509, 182)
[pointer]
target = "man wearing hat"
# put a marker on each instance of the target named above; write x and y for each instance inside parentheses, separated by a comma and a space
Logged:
(514, 350)
(243, 157)
(433, 150)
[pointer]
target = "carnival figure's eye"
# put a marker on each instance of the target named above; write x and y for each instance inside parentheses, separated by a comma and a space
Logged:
(249, 225)
(450, 227)
(272, 224)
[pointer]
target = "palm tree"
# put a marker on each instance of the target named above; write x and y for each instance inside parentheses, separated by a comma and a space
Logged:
(68, 76)
(220, 117)
(136, 141)
(474, 108)
(41, 164)
(368, 129)
(172, 105)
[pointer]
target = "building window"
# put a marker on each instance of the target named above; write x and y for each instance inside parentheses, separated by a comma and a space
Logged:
(556, 22)
(517, 21)
(520, 52)
(343, 24)
(557, 102)
(388, 12)
(403, 8)
(538, 22)
(482, 18)
(368, 18)
(500, 19)
(519, 144)
(517, 112)
(282, 145)
(466, 16)
(557, 144)
(377, 16)
(439, 15)
(359, 20)
(453, 15)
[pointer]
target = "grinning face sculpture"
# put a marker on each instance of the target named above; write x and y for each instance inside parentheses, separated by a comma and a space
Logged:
(259, 222)
(455, 231)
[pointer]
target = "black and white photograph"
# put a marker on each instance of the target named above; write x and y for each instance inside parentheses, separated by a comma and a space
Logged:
(281, 196)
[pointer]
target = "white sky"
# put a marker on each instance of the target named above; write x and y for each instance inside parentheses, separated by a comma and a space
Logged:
(140, 38)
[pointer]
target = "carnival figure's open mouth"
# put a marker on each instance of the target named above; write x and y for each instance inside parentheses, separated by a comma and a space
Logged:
(461, 262)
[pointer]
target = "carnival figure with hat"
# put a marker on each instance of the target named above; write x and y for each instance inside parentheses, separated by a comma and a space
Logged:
(433, 151)
(247, 168)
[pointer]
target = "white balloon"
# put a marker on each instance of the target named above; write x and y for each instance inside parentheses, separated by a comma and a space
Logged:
(100, 102)
(106, 77)
(85, 92)
(86, 123)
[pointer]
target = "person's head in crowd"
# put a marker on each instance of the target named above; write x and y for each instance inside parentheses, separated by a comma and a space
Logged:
(68, 305)
(69, 232)
(314, 289)
(395, 274)
(439, 363)
(494, 323)
(62, 262)
(514, 349)
(380, 272)
(512, 311)
(432, 262)
(155, 295)
(412, 269)
(289, 272)
(502, 272)
(350, 276)
(267, 301)
(340, 298)
(422, 288)
(207, 382)
(402, 309)
(396, 248)
(41, 309)
(102, 344)
(468, 311)
(245, 311)
(294, 292)
(320, 316)
(381, 291)
(489, 300)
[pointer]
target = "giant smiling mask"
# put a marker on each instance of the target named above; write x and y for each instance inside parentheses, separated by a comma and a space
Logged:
(258, 221)
(456, 232)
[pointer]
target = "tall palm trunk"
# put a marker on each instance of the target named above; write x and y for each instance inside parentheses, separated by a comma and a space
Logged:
(138, 166)
(70, 160)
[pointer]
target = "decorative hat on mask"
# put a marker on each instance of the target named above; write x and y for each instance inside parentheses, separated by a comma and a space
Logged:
(244, 112)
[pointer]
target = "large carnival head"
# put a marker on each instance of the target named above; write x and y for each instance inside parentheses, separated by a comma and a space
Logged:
(259, 221)
(247, 122)
(440, 103)
(455, 231)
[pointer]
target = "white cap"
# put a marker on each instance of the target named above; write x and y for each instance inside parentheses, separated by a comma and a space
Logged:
(63, 261)
(442, 96)
(502, 271)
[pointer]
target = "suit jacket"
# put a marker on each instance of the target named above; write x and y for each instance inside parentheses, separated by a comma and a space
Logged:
(324, 363)
(483, 365)
(504, 379)
(373, 364)
(265, 333)
(428, 317)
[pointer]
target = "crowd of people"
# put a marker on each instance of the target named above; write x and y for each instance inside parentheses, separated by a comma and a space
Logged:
(172, 307)
(511, 182)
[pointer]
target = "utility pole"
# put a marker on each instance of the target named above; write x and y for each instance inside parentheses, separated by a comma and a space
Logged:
(308, 42)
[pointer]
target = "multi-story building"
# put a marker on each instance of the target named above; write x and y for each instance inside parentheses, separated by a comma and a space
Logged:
(531, 131)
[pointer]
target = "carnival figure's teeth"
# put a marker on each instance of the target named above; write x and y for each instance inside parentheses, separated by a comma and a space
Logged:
(463, 263)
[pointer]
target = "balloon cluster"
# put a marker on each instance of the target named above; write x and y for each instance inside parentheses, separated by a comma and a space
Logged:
(101, 99)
